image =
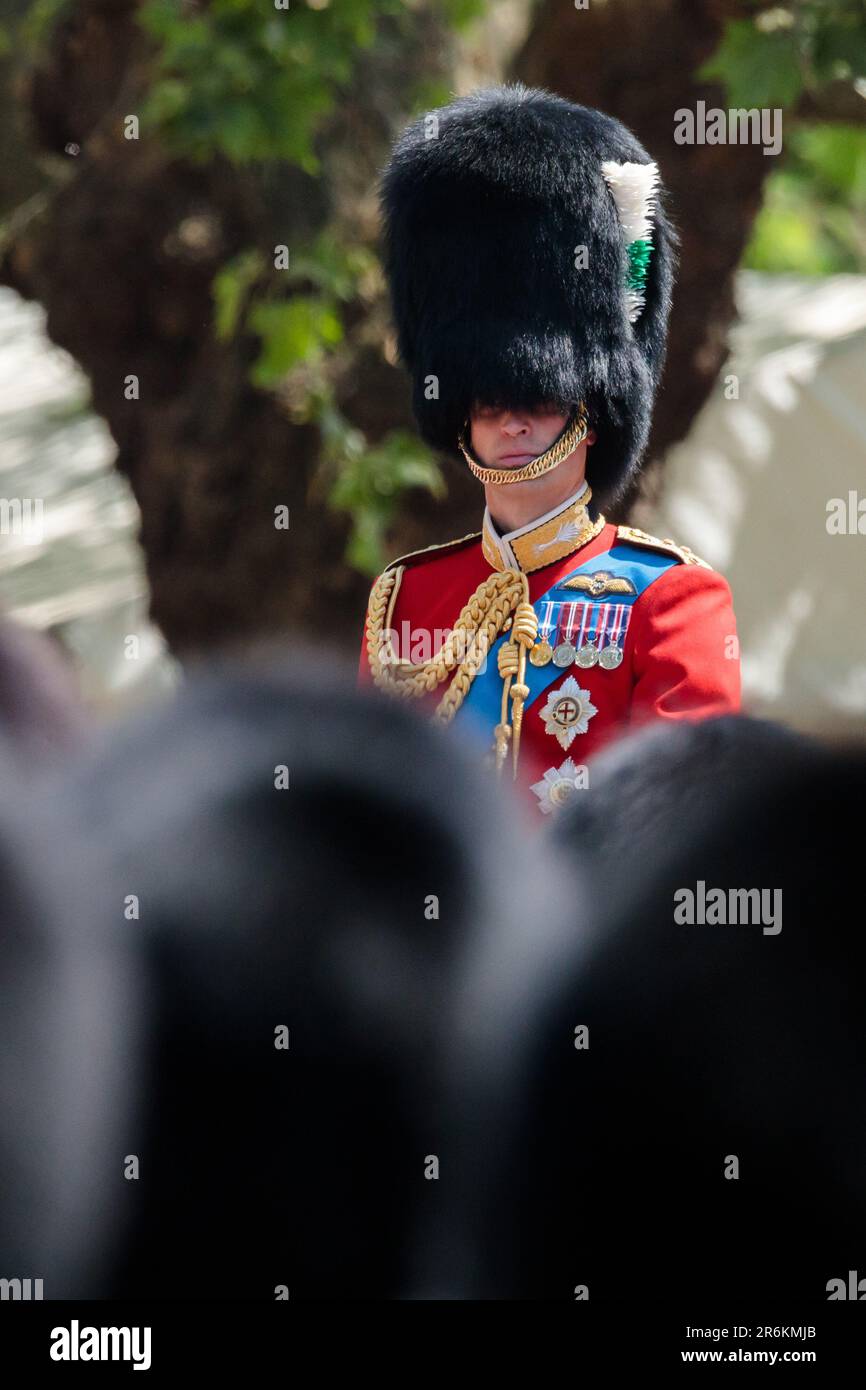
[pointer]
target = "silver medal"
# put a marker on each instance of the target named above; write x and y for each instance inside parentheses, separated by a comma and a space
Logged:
(587, 655)
(563, 652)
(611, 656)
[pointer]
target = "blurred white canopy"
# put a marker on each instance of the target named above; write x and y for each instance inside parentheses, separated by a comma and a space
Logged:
(750, 486)
(79, 574)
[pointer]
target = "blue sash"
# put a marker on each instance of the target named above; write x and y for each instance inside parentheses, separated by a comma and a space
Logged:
(483, 704)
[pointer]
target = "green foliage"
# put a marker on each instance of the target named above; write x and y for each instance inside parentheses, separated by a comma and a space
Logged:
(40, 20)
(296, 314)
(252, 82)
(839, 40)
(333, 268)
(232, 289)
(249, 81)
(369, 482)
(813, 221)
(769, 59)
(757, 68)
(294, 332)
(460, 13)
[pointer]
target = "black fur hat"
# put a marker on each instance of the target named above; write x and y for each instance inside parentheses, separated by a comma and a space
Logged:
(487, 204)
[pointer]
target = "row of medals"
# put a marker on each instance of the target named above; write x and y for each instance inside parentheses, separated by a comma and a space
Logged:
(566, 654)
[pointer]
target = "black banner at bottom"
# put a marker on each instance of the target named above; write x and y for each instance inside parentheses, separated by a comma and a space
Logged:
(167, 1339)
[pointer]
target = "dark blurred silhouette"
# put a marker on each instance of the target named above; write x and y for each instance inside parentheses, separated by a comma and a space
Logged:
(309, 908)
(653, 792)
(168, 906)
(604, 1166)
(69, 1044)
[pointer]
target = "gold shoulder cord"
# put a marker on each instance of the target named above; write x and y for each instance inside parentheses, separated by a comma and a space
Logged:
(503, 594)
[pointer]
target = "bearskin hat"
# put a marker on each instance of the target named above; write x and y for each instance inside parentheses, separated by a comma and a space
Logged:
(530, 261)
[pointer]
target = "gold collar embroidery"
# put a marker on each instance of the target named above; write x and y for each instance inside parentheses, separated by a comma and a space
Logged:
(552, 537)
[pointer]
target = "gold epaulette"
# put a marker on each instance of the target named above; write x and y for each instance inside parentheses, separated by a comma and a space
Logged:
(667, 546)
(415, 557)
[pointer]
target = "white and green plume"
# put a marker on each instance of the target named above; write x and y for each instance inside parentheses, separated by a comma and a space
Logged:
(634, 190)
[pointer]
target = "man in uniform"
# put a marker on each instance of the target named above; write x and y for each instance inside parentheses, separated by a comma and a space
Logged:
(530, 263)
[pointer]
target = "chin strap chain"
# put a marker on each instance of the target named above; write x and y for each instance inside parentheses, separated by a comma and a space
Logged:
(562, 448)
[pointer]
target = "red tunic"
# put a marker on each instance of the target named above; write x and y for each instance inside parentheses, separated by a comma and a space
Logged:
(680, 653)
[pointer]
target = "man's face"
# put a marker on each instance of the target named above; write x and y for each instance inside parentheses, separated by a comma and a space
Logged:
(511, 438)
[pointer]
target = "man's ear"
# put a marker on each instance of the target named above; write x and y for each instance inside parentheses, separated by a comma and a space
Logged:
(591, 437)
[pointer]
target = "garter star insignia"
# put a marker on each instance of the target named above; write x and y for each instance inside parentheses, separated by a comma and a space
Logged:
(567, 712)
(558, 786)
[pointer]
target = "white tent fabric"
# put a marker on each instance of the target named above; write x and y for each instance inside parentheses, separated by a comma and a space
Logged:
(783, 434)
(75, 570)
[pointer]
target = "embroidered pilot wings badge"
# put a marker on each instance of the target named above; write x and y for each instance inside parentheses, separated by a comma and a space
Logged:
(598, 583)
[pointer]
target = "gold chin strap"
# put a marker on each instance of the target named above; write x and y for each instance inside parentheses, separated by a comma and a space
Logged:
(574, 433)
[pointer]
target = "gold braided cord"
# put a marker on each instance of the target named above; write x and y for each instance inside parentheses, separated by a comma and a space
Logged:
(480, 622)
(573, 434)
(523, 634)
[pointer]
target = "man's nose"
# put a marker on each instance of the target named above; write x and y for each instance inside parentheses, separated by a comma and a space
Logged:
(513, 425)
